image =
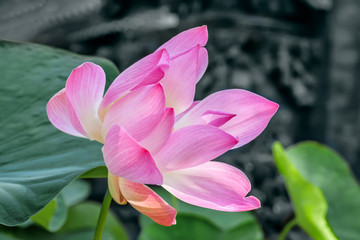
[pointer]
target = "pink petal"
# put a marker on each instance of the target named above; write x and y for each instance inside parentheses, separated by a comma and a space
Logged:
(124, 157)
(253, 113)
(203, 61)
(138, 112)
(217, 118)
(59, 115)
(113, 184)
(180, 80)
(160, 134)
(148, 202)
(186, 40)
(84, 89)
(180, 115)
(75, 121)
(212, 185)
(148, 70)
(192, 146)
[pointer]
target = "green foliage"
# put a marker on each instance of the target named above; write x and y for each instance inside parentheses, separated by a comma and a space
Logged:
(328, 171)
(74, 219)
(36, 160)
(80, 224)
(324, 193)
(52, 217)
(195, 223)
(76, 192)
(98, 172)
(308, 200)
(85, 216)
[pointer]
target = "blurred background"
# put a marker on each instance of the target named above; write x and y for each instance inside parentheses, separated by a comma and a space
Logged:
(302, 54)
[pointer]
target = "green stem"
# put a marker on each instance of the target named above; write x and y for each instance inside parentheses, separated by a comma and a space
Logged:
(287, 228)
(102, 217)
(174, 202)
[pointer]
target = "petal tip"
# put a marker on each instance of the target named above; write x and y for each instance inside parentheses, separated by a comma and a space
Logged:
(203, 30)
(275, 106)
(90, 65)
(158, 87)
(170, 219)
(253, 203)
(86, 64)
(157, 179)
(169, 111)
(164, 60)
(164, 54)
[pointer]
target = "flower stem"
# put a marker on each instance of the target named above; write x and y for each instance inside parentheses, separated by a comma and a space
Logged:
(102, 217)
(287, 228)
(174, 202)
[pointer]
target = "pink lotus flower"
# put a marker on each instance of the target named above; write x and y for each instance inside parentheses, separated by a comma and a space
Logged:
(154, 133)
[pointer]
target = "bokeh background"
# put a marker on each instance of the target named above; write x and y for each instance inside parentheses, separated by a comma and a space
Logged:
(302, 54)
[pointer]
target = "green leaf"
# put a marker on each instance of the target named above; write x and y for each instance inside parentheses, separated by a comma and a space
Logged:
(80, 224)
(40, 234)
(187, 227)
(4, 236)
(76, 192)
(309, 202)
(36, 160)
(197, 227)
(98, 172)
(202, 223)
(85, 215)
(53, 215)
(328, 171)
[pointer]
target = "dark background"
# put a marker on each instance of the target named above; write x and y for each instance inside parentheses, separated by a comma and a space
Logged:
(302, 54)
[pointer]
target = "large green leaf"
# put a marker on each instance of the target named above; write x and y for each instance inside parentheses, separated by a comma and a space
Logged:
(80, 224)
(309, 202)
(201, 224)
(85, 216)
(187, 227)
(325, 194)
(98, 172)
(328, 171)
(36, 159)
(53, 216)
(76, 192)
(85, 234)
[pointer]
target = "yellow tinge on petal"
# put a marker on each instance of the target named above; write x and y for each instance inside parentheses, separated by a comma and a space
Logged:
(113, 183)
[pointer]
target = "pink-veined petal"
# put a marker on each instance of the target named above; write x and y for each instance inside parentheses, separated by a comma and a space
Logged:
(84, 89)
(186, 40)
(114, 189)
(59, 115)
(193, 145)
(203, 61)
(160, 134)
(138, 112)
(180, 80)
(148, 70)
(217, 118)
(146, 201)
(253, 113)
(180, 115)
(212, 185)
(124, 157)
